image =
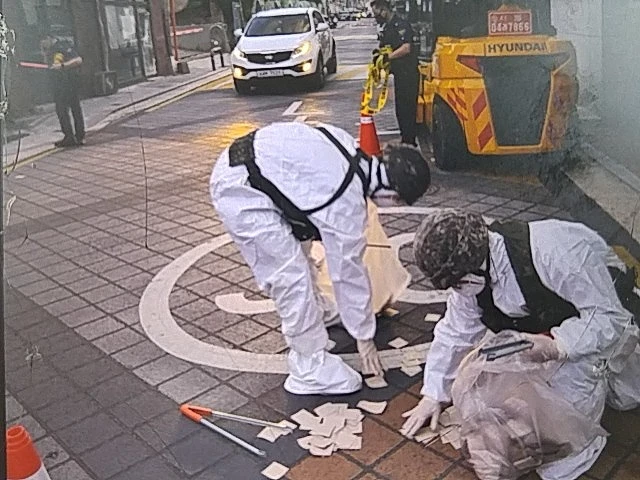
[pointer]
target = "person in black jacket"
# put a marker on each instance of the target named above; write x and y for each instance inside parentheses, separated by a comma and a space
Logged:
(398, 34)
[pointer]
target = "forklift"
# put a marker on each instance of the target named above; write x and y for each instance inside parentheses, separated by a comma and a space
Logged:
(495, 79)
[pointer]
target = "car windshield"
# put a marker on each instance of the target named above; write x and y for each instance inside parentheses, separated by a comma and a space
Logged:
(282, 25)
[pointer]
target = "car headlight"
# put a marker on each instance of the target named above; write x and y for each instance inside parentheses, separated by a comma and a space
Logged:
(239, 53)
(302, 49)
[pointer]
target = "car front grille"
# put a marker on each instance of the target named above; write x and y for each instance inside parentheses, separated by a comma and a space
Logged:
(267, 58)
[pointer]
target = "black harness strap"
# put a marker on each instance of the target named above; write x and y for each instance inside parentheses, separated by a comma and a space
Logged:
(241, 152)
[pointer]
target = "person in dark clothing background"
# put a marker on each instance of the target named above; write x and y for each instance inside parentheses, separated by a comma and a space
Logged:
(398, 34)
(64, 64)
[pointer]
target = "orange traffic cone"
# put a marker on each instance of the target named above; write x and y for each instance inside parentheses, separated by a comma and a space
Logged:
(369, 143)
(23, 461)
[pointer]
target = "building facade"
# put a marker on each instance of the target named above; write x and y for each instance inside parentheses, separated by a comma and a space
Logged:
(120, 41)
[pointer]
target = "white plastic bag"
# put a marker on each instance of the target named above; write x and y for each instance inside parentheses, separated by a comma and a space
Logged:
(512, 421)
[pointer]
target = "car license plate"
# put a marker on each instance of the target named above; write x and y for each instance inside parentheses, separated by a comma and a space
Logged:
(270, 73)
(510, 23)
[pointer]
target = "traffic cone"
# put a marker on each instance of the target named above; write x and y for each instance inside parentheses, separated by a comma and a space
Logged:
(23, 461)
(369, 142)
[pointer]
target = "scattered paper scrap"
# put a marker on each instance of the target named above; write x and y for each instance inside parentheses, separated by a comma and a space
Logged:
(390, 312)
(449, 417)
(432, 317)
(330, 345)
(411, 371)
(448, 430)
(275, 471)
(271, 434)
(426, 435)
(372, 407)
(305, 419)
(376, 382)
(335, 428)
(398, 342)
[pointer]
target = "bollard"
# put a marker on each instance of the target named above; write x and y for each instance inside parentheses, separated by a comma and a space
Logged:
(213, 60)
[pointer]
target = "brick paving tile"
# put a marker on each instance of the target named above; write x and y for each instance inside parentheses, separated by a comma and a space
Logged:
(116, 455)
(51, 452)
(199, 451)
(392, 416)
(68, 411)
(270, 342)
(117, 389)
(629, 469)
(236, 466)
(242, 331)
(166, 429)
(89, 433)
(75, 357)
(96, 372)
(13, 409)
(222, 398)
(118, 340)
(98, 328)
(187, 385)
(412, 462)
(256, 384)
(446, 450)
(162, 369)
(154, 468)
(377, 441)
(624, 427)
(116, 304)
(65, 306)
(138, 354)
(81, 316)
(69, 471)
(196, 309)
(45, 392)
(128, 316)
(335, 467)
(460, 473)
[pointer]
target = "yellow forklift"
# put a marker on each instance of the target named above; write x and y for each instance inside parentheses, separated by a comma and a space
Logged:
(496, 80)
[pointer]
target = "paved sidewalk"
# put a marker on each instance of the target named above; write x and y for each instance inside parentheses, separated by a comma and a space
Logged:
(39, 132)
(84, 243)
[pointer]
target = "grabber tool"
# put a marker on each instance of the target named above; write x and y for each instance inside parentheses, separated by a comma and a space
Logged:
(499, 351)
(196, 414)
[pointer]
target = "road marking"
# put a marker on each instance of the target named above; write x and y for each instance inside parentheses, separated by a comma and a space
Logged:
(301, 118)
(291, 109)
(339, 38)
(160, 326)
(209, 86)
(357, 72)
(389, 132)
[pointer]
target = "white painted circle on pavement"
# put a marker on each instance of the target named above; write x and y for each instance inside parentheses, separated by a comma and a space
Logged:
(159, 324)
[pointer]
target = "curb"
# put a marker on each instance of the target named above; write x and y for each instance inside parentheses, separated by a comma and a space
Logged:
(599, 193)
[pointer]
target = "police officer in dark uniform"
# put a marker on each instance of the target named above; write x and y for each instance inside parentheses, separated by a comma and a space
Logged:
(398, 34)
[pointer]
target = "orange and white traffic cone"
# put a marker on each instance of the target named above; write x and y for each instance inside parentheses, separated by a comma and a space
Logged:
(23, 461)
(369, 142)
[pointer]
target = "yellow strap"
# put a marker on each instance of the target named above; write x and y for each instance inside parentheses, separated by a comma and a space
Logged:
(377, 82)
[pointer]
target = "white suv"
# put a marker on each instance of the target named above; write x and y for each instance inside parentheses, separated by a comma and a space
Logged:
(283, 43)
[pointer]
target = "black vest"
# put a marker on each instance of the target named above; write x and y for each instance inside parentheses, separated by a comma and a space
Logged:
(241, 152)
(546, 309)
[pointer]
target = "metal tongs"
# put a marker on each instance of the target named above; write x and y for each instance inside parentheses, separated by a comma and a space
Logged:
(504, 350)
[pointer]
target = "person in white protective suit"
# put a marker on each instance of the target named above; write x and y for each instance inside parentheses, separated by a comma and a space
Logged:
(286, 184)
(557, 282)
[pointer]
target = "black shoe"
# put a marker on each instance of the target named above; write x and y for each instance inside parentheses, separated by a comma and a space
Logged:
(80, 141)
(66, 142)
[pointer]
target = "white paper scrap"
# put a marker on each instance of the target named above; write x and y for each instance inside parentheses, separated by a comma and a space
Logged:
(330, 345)
(432, 317)
(372, 407)
(270, 434)
(321, 452)
(449, 417)
(287, 424)
(320, 442)
(329, 409)
(275, 471)
(398, 342)
(357, 428)
(353, 415)
(305, 419)
(376, 382)
(425, 435)
(323, 430)
(411, 371)
(412, 362)
(348, 441)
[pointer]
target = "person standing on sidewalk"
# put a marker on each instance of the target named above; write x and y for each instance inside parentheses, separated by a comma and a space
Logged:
(64, 63)
(398, 34)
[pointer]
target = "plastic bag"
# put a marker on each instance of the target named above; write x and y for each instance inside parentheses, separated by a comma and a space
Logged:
(512, 421)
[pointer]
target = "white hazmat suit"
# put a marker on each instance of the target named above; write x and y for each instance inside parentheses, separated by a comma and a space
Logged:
(601, 344)
(307, 168)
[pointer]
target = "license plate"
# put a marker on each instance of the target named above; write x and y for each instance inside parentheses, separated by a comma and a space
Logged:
(270, 73)
(510, 23)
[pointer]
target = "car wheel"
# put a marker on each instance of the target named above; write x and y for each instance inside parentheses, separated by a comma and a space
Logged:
(449, 143)
(318, 77)
(332, 64)
(242, 87)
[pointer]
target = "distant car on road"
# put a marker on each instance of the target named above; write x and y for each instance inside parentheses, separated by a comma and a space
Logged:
(286, 43)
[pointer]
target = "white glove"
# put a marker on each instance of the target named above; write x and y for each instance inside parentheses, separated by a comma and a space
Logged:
(427, 408)
(544, 349)
(369, 356)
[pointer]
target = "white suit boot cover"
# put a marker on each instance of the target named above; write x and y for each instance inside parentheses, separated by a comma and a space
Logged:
(321, 373)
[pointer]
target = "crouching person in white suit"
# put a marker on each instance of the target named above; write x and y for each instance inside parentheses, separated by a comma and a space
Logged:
(559, 284)
(280, 187)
